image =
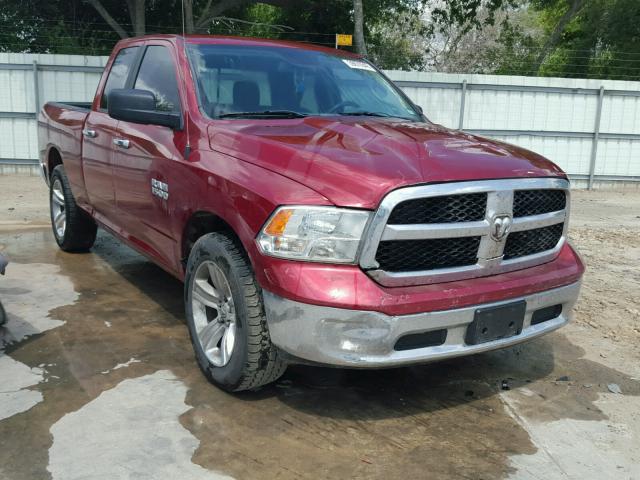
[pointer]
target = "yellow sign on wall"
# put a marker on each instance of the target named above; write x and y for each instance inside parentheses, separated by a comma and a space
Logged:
(344, 40)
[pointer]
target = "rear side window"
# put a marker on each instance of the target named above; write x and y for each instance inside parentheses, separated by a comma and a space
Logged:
(119, 72)
(158, 75)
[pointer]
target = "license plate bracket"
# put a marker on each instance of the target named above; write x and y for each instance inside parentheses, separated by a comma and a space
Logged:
(495, 323)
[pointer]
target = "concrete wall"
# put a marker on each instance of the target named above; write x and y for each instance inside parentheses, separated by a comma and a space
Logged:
(591, 128)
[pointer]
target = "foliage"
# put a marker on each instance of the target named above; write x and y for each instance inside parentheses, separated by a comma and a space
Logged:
(601, 39)
(582, 38)
(395, 34)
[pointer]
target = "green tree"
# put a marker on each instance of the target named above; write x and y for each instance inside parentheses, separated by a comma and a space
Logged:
(577, 38)
(395, 32)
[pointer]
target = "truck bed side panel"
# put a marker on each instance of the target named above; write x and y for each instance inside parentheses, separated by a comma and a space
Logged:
(63, 125)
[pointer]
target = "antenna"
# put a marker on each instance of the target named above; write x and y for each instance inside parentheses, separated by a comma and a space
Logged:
(187, 148)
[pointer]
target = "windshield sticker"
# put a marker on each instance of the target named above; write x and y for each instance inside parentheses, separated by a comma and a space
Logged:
(359, 64)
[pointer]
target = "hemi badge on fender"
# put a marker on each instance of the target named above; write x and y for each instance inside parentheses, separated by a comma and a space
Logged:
(159, 189)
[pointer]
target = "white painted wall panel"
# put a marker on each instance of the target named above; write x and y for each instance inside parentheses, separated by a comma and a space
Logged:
(504, 110)
(571, 111)
(16, 87)
(67, 86)
(485, 109)
(18, 138)
(439, 104)
(618, 157)
(570, 154)
(620, 114)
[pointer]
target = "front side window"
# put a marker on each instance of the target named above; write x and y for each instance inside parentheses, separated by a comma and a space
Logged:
(119, 72)
(157, 74)
(237, 79)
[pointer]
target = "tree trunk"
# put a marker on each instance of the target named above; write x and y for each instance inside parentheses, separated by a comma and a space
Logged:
(554, 38)
(137, 16)
(108, 18)
(188, 16)
(358, 30)
(139, 22)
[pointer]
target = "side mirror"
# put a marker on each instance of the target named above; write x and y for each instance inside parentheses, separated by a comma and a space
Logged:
(139, 106)
(418, 108)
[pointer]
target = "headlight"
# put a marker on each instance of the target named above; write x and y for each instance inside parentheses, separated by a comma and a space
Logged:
(318, 234)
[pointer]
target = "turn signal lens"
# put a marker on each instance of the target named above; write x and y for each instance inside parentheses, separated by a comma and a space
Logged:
(278, 222)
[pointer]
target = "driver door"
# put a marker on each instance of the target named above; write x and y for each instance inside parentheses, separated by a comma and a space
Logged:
(146, 158)
(98, 134)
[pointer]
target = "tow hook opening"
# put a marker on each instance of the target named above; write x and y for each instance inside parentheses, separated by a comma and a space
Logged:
(412, 341)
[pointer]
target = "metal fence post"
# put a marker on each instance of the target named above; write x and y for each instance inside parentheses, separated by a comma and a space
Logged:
(36, 89)
(462, 102)
(596, 136)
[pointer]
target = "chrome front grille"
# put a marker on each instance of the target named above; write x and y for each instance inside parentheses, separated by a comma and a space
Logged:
(427, 254)
(530, 242)
(452, 231)
(445, 209)
(536, 202)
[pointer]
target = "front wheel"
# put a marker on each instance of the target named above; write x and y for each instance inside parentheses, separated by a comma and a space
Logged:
(73, 228)
(226, 318)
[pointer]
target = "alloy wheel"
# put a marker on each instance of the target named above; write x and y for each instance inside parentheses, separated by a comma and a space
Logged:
(58, 210)
(214, 313)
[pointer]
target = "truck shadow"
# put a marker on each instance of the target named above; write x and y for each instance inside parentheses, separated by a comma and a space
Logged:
(399, 392)
(161, 287)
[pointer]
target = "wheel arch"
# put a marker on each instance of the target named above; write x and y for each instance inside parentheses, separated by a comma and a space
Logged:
(200, 223)
(54, 158)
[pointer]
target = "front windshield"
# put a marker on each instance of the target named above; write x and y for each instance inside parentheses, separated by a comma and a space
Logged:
(236, 81)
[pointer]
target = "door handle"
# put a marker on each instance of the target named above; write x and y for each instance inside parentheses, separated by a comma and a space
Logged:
(89, 133)
(121, 142)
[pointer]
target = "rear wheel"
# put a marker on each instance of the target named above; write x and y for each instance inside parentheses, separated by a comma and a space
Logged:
(226, 319)
(73, 228)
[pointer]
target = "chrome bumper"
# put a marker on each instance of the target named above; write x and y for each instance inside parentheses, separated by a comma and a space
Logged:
(365, 339)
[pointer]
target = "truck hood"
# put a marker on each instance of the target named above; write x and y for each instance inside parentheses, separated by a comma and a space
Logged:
(356, 161)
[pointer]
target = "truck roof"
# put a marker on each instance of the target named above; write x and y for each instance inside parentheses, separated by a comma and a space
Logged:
(248, 41)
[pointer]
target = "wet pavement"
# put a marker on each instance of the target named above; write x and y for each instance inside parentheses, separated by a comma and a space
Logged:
(98, 380)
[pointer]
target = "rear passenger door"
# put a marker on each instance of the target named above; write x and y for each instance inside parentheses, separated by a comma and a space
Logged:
(98, 135)
(145, 159)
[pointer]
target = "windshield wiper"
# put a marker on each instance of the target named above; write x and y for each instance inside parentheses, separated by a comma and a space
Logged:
(375, 114)
(265, 113)
(365, 114)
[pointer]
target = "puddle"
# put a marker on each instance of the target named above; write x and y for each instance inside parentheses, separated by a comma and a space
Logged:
(131, 431)
(28, 292)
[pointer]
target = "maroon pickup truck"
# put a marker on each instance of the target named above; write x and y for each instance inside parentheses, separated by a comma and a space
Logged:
(313, 212)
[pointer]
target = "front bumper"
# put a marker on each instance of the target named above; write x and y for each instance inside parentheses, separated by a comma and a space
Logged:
(360, 338)
(44, 174)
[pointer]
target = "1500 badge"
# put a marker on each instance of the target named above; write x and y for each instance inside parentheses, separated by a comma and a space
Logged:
(159, 189)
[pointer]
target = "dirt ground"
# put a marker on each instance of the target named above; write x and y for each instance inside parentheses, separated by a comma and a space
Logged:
(97, 378)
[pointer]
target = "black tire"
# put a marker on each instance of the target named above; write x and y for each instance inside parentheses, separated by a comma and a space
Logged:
(79, 233)
(254, 360)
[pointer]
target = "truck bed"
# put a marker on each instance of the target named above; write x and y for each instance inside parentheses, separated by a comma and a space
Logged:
(77, 106)
(60, 125)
